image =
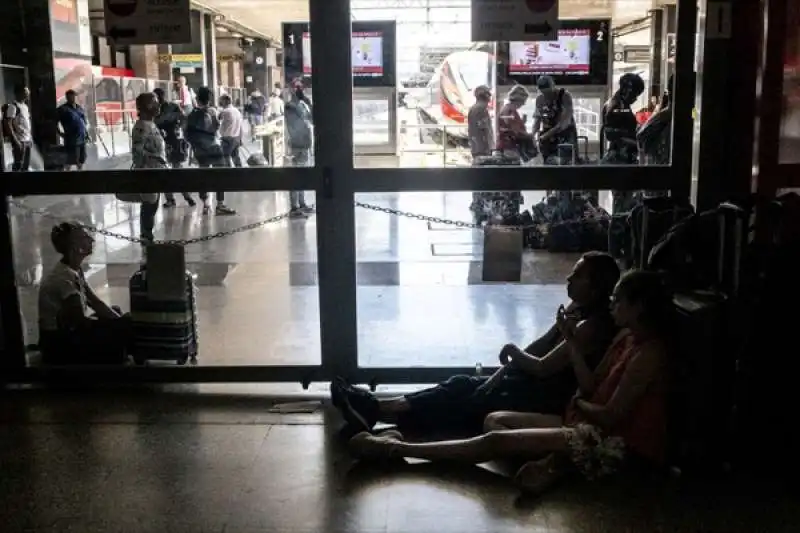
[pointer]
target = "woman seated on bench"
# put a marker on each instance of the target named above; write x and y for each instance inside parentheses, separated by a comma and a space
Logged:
(619, 408)
(67, 334)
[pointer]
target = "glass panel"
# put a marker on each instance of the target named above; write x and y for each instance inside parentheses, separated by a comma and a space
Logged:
(256, 299)
(99, 135)
(553, 103)
(790, 123)
(423, 280)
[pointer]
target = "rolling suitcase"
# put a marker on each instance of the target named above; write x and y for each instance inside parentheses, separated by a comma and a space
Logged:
(164, 309)
(705, 356)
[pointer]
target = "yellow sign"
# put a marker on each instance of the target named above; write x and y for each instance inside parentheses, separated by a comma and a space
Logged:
(187, 58)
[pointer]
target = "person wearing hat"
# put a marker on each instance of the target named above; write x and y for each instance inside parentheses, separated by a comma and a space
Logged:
(479, 123)
(512, 135)
(553, 120)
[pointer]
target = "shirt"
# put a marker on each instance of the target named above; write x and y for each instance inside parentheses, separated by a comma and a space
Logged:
(60, 284)
(479, 124)
(73, 120)
(275, 106)
(148, 149)
(230, 122)
(185, 97)
(20, 116)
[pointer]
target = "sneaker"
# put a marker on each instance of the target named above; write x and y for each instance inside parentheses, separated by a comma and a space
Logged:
(367, 446)
(359, 407)
(306, 209)
(168, 204)
(224, 210)
(297, 213)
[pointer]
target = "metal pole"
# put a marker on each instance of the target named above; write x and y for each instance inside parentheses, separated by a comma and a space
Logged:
(12, 335)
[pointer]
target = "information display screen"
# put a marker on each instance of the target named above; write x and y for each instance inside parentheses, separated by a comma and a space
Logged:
(580, 55)
(367, 53)
(570, 55)
(372, 53)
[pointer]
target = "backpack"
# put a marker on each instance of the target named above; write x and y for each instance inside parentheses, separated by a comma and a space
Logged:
(297, 128)
(7, 133)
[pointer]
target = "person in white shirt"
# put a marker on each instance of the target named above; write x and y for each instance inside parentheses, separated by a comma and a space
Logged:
(148, 151)
(230, 130)
(185, 96)
(275, 105)
(68, 334)
(17, 118)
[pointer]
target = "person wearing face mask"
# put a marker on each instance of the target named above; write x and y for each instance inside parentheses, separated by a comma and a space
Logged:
(554, 120)
(618, 129)
(68, 332)
(149, 151)
(512, 137)
(299, 140)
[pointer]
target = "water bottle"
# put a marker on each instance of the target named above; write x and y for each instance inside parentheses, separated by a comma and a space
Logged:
(478, 369)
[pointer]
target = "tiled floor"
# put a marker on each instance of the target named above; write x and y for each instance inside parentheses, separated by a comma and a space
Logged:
(258, 299)
(213, 459)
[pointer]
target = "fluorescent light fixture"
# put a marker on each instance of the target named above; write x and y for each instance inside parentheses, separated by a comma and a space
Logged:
(222, 29)
(236, 34)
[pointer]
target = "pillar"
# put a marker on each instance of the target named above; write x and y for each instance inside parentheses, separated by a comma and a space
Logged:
(26, 39)
(256, 67)
(209, 47)
(725, 106)
(145, 61)
(656, 55)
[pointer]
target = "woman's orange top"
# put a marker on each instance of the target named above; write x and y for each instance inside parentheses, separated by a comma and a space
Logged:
(644, 427)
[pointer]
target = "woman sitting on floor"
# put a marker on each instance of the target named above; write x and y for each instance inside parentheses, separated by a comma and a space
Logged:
(619, 409)
(537, 379)
(67, 334)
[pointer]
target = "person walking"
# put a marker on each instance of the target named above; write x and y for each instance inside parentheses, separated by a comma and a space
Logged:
(230, 129)
(148, 151)
(170, 121)
(297, 119)
(202, 132)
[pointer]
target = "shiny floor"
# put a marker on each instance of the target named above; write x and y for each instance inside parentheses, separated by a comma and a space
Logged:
(214, 459)
(258, 299)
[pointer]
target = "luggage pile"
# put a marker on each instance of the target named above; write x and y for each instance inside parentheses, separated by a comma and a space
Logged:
(564, 221)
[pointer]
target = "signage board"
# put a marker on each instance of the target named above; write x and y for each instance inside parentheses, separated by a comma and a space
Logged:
(637, 54)
(514, 20)
(186, 60)
(148, 21)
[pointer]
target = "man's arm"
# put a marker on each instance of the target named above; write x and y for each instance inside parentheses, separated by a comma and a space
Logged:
(560, 356)
(11, 113)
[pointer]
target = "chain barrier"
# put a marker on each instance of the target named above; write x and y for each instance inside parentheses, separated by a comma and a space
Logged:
(278, 218)
(137, 240)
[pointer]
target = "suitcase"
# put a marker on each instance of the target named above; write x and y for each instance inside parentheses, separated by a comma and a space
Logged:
(255, 159)
(163, 329)
(705, 358)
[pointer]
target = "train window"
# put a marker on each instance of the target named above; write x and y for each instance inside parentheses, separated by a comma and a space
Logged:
(107, 90)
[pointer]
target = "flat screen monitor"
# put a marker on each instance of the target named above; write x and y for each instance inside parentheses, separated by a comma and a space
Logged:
(372, 52)
(579, 56)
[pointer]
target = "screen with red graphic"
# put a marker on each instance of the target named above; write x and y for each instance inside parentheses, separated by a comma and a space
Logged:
(570, 55)
(367, 53)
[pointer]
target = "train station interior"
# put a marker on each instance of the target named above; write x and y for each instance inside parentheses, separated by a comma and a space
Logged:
(383, 278)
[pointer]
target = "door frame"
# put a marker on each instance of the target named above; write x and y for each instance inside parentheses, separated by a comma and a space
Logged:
(336, 182)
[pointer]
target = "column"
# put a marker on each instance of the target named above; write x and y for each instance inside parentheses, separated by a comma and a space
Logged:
(669, 23)
(255, 67)
(144, 61)
(656, 57)
(726, 100)
(209, 39)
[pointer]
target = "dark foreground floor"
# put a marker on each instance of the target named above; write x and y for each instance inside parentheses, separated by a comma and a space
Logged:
(182, 461)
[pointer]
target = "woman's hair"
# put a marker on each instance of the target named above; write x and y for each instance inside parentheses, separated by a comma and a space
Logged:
(603, 272)
(61, 236)
(652, 292)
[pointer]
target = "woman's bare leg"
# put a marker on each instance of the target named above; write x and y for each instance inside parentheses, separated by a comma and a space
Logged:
(519, 443)
(503, 420)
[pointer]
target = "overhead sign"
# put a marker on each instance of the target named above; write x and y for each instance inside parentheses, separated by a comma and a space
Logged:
(148, 21)
(186, 60)
(514, 20)
(637, 54)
